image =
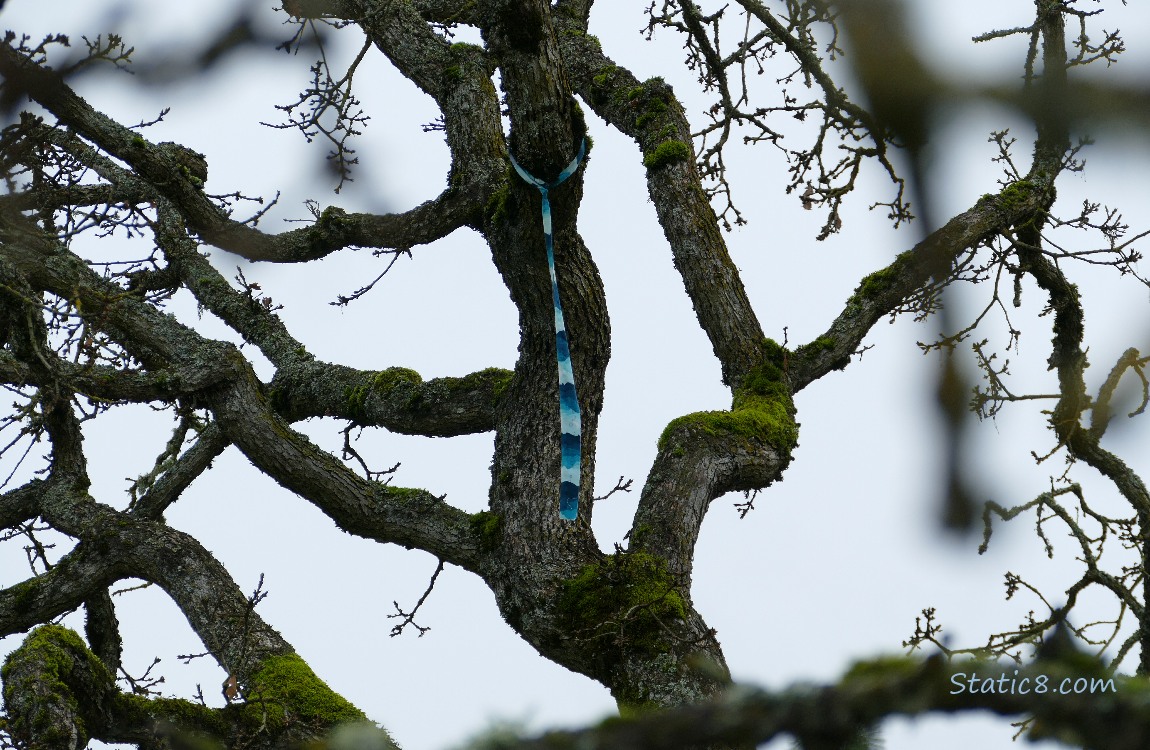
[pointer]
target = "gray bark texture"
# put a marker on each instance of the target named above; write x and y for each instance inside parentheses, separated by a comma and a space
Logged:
(626, 619)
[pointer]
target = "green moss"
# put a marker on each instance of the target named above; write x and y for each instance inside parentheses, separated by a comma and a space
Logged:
(460, 53)
(649, 103)
(818, 346)
(639, 534)
(622, 600)
(883, 668)
(667, 152)
(487, 527)
(199, 725)
(768, 378)
(332, 224)
(876, 283)
(654, 109)
(139, 142)
(501, 387)
(25, 593)
(48, 656)
(629, 710)
(289, 691)
(284, 691)
(821, 344)
(190, 177)
(379, 382)
(1016, 193)
(762, 410)
(406, 389)
(764, 420)
(496, 208)
(404, 494)
(333, 217)
(602, 78)
(645, 118)
(495, 378)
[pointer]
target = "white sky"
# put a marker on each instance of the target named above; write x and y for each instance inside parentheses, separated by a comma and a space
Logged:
(838, 558)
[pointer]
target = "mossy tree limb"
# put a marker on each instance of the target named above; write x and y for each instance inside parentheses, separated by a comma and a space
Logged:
(396, 398)
(884, 291)
(626, 619)
(706, 454)
(58, 695)
(1112, 716)
(689, 223)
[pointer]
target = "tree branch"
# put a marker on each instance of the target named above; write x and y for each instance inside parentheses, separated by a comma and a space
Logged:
(408, 517)
(881, 293)
(161, 167)
(829, 716)
(396, 398)
(652, 115)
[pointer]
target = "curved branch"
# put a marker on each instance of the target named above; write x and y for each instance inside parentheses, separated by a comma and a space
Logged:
(114, 546)
(881, 293)
(458, 77)
(396, 398)
(71, 196)
(699, 459)
(58, 695)
(108, 383)
(408, 517)
(335, 229)
(21, 504)
(1109, 716)
(280, 690)
(179, 476)
(154, 338)
(163, 167)
(650, 114)
(387, 514)
(704, 455)
(242, 312)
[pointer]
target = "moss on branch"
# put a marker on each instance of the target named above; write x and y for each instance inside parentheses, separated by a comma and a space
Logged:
(59, 695)
(666, 153)
(487, 528)
(628, 598)
(290, 691)
(762, 410)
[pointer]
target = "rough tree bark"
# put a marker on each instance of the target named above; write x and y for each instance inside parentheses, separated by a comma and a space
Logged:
(625, 619)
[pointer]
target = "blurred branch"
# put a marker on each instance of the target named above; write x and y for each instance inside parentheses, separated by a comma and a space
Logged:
(1067, 696)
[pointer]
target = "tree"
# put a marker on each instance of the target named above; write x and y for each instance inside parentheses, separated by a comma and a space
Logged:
(80, 343)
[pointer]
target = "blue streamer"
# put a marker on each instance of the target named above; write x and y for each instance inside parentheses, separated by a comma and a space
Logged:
(569, 420)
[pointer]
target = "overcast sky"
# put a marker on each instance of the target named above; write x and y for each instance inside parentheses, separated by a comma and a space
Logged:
(836, 561)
